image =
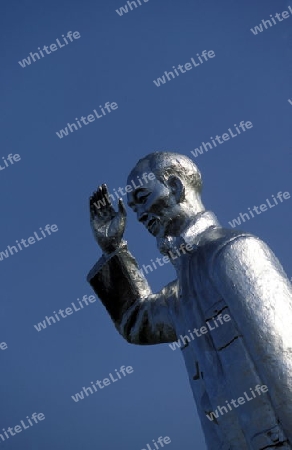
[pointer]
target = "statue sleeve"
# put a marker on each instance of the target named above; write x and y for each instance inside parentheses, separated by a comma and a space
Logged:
(140, 316)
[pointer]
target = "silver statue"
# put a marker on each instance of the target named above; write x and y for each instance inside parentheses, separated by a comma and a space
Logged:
(240, 369)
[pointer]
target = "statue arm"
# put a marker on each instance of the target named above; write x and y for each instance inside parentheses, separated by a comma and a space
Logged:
(140, 316)
(258, 293)
(245, 268)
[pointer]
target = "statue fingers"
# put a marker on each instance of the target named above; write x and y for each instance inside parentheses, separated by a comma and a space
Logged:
(122, 209)
(94, 204)
(107, 208)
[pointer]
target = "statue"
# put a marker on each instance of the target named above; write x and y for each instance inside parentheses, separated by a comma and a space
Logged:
(240, 369)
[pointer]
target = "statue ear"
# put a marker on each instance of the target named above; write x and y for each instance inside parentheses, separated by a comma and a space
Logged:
(177, 188)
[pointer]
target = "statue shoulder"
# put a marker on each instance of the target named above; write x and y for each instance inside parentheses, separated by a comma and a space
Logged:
(215, 239)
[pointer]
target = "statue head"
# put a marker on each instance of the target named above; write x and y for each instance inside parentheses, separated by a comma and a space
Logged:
(168, 200)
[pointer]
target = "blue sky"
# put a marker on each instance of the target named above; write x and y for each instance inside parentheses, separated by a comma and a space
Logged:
(116, 59)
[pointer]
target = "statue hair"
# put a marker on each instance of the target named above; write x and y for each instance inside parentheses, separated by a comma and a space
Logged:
(165, 164)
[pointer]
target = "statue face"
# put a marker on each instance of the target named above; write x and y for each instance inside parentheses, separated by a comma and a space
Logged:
(155, 205)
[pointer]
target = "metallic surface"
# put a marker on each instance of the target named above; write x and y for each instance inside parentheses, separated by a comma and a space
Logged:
(227, 272)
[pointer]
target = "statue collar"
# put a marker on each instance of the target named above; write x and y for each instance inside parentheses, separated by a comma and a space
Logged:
(191, 235)
(199, 225)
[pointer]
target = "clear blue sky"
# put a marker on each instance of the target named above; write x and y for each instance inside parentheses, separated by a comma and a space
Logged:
(116, 60)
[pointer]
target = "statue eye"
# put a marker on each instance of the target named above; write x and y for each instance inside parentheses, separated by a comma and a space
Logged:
(141, 196)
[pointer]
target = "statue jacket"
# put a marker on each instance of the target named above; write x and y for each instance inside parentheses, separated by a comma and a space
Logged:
(231, 274)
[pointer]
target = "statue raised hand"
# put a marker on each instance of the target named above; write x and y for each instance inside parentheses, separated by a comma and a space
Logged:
(108, 225)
